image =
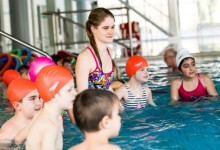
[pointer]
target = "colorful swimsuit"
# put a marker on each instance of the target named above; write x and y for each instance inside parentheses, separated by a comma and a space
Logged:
(135, 102)
(98, 79)
(194, 94)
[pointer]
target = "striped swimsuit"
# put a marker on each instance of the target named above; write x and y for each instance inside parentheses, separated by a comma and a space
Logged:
(98, 79)
(135, 102)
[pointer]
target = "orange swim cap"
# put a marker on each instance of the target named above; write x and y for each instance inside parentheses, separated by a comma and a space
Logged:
(134, 63)
(19, 88)
(9, 76)
(50, 80)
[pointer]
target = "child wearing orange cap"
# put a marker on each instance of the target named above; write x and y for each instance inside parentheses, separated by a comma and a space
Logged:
(24, 97)
(55, 85)
(134, 93)
(192, 85)
(97, 116)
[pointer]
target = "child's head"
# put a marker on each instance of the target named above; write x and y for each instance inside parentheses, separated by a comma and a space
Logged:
(23, 70)
(170, 56)
(24, 96)
(57, 59)
(9, 76)
(96, 109)
(55, 81)
(135, 63)
(182, 55)
(67, 64)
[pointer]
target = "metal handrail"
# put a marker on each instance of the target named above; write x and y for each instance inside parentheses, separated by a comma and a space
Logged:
(24, 43)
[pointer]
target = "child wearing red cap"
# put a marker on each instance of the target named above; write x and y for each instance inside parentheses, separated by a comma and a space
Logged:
(55, 85)
(24, 97)
(133, 92)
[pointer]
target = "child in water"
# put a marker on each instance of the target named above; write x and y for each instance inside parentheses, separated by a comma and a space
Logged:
(24, 97)
(192, 85)
(133, 92)
(55, 85)
(96, 114)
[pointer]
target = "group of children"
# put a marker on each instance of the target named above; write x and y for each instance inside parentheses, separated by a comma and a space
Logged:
(39, 106)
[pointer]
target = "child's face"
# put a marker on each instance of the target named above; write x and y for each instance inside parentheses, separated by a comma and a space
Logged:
(115, 121)
(30, 104)
(68, 66)
(25, 75)
(67, 95)
(142, 74)
(188, 67)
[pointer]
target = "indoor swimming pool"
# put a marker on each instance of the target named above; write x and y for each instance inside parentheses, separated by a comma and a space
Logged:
(186, 126)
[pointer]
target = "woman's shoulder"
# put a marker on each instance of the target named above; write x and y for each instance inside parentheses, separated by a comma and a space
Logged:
(85, 54)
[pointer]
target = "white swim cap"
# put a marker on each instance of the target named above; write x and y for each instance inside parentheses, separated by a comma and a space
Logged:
(182, 54)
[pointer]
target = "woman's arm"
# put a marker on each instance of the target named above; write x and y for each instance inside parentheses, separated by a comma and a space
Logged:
(82, 70)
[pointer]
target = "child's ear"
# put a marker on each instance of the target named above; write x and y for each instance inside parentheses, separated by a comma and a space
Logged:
(105, 122)
(16, 106)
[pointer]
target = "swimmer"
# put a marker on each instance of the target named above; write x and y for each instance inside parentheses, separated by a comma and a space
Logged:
(192, 85)
(134, 93)
(55, 85)
(98, 73)
(24, 97)
(23, 70)
(97, 115)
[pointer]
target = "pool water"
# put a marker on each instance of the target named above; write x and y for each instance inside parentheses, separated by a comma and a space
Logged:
(186, 126)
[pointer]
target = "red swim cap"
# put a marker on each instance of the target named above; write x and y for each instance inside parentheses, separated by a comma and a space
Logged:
(19, 88)
(50, 80)
(9, 76)
(134, 63)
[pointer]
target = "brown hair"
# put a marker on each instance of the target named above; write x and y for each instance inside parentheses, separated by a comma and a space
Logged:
(96, 17)
(91, 106)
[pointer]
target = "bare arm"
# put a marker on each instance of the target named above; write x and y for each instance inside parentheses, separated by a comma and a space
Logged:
(52, 134)
(150, 100)
(70, 113)
(82, 70)
(21, 137)
(209, 85)
(120, 92)
(174, 94)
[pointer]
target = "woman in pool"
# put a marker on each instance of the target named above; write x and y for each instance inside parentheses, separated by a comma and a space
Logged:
(192, 85)
(133, 92)
(98, 73)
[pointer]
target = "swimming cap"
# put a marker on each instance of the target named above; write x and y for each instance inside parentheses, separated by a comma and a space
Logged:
(182, 54)
(19, 88)
(37, 64)
(50, 80)
(10, 75)
(134, 63)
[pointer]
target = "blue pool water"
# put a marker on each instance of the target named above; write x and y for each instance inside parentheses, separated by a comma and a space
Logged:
(186, 126)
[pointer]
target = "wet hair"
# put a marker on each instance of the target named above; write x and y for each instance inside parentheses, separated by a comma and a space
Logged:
(56, 58)
(66, 61)
(96, 17)
(183, 61)
(91, 106)
(23, 69)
